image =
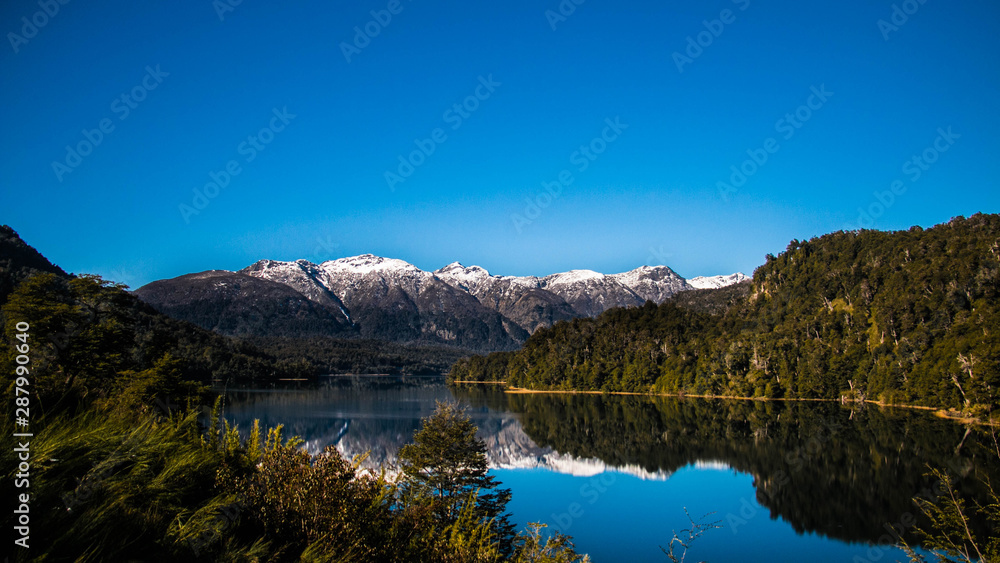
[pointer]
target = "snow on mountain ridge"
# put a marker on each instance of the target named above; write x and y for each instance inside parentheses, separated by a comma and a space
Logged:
(572, 276)
(369, 283)
(369, 263)
(457, 275)
(302, 276)
(715, 282)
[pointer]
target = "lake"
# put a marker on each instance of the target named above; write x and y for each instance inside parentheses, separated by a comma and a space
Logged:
(785, 481)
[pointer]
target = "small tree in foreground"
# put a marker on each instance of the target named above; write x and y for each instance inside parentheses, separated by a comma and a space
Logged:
(446, 467)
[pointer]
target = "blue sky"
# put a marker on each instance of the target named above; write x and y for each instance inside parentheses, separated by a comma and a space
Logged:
(271, 81)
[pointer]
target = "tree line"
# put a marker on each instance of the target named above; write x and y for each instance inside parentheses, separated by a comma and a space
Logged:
(896, 317)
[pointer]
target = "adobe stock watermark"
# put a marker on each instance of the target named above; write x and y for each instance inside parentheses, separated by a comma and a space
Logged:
(582, 157)
(564, 10)
(658, 256)
(894, 531)
(122, 107)
(324, 249)
(224, 7)
(899, 17)
(454, 116)
(591, 492)
(249, 150)
(364, 34)
(914, 169)
(794, 461)
(30, 26)
(697, 43)
(787, 126)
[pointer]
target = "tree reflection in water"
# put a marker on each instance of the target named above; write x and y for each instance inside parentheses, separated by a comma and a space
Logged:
(847, 473)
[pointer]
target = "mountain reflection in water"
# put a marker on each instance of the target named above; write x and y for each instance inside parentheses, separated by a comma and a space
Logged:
(822, 467)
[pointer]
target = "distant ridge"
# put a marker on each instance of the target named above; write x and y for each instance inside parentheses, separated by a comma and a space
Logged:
(389, 299)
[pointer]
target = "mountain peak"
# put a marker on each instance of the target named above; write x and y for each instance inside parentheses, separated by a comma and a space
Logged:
(573, 276)
(368, 263)
(458, 268)
(453, 267)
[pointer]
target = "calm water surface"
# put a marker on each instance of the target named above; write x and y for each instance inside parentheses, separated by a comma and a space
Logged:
(784, 481)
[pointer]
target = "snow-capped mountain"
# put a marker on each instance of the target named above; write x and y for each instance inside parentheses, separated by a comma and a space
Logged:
(301, 276)
(590, 293)
(390, 299)
(584, 292)
(653, 283)
(715, 282)
(520, 299)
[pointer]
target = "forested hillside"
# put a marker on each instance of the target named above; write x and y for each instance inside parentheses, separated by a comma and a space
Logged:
(898, 317)
(18, 261)
(122, 465)
(88, 333)
(329, 355)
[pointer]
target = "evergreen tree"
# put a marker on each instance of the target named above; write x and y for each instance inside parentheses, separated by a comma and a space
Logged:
(446, 467)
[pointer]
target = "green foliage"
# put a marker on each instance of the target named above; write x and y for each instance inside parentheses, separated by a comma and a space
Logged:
(469, 539)
(91, 340)
(121, 468)
(446, 468)
(153, 389)
(326, 355)
(905, 317)
(556, 547)
(320, 502)
(950, 537)
(106, 488)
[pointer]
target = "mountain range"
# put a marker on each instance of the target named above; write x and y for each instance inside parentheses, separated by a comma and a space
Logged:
(389, 299)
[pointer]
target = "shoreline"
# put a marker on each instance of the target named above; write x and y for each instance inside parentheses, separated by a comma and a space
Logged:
(939, 412)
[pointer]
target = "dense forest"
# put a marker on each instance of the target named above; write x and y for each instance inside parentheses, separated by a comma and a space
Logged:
(328, 355)
(906, 317)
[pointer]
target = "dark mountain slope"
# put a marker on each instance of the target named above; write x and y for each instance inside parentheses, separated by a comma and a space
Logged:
(18, 261)
(86, 321)
(236, 304)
